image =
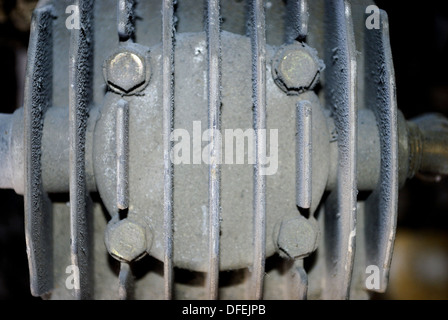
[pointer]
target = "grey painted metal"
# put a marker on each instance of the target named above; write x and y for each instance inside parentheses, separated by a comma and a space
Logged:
(304, 160)
(299, 283)
(80, 97)
(258, 40)
(12, 153)
(168, 34)
(125, 282)
(415, 146)
(146, 155)
(149, 167)
(126, 32)
(6, 171)
(38, 93)
(297, 236)
(127, 240)
(126, 19)
(54, 151)
(214, 121)
(340, 207)
(287, 63)
(368, 152)
(381, 206)
(404, 154)
(128, 70)
(296, 23)
(428, 150)
(122, 140)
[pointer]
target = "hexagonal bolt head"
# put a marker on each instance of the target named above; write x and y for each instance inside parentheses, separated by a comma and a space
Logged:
(126, 240)
(297, 237)
(296, 68)
(128, 70)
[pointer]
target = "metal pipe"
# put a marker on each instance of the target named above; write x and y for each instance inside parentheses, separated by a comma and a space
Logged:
(304, 147)
(80, 97)
(214, 118)
(428, 145)
(296, 20)
(168, 35)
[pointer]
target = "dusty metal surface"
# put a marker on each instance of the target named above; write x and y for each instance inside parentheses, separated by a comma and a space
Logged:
(126, 19)
(382, 204)
(257, 33)
(296, 23)
(38, 211)
(128, 96)
(122, 127)
(80, 97)
(126, 282)
(340, 208)
(189, 180)
(428, 137)
(304, 154)
(293, 57)
(168, 117)
(213, 35)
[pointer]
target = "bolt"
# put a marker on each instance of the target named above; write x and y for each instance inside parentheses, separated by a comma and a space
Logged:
(126, 240)
(297, 237)
(128, 70)
(296, 68)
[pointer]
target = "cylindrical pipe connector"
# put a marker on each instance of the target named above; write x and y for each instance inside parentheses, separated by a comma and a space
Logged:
(6, 172)
(11, 151)
(54, 151)
(428, 145)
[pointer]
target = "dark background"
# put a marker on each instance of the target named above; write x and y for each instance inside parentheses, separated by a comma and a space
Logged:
(419, 36)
